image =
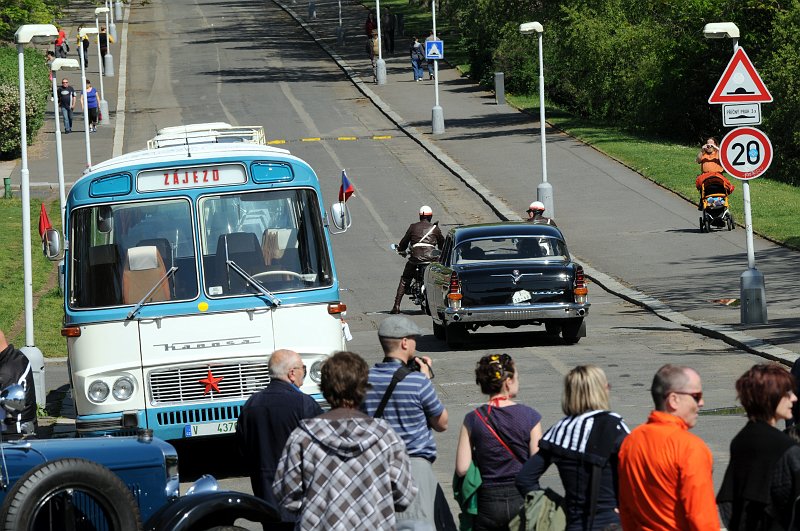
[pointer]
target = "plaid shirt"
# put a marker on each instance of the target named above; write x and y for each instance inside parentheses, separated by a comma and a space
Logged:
(344, 474)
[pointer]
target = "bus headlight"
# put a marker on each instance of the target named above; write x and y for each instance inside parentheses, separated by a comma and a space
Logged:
(316, 372)
(123, 388)
(98, 391)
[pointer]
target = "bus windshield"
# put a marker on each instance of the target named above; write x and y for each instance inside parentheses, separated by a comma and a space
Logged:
(274, 236)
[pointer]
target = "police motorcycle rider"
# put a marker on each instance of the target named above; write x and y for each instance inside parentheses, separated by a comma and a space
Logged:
(420, 239)
(536, 214)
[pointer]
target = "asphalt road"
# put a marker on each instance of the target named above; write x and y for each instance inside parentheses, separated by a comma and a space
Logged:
(247, 62)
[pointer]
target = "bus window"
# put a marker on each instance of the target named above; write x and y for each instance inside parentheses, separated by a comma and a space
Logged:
(120, 252)
(275, 236)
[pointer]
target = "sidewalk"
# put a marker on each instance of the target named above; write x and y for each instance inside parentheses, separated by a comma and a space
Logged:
(41, 154)
(615, 220)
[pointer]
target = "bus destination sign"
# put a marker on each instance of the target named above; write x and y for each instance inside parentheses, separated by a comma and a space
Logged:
(191, 177)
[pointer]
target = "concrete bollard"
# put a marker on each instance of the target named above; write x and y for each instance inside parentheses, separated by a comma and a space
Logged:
(102, 107)
(499, 88)
(112, 30)
(753, 297)
(108, 65)
(7, 188)
(118, 10)
(36, 358)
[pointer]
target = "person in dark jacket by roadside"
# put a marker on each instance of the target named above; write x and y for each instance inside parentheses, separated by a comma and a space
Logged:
(268, 418)
(762, 483)
(15, 368)
(584, 446)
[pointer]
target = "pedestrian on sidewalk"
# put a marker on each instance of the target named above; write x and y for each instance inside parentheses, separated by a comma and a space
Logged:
(66, 102)
(373, 51)
(429, 62)
(50, 57)
(388, 27)
(84, 42)
(268, 419)
(417, 58)
(61, 46)
(370, 25)
(104, 39)
(89, 99)
(344, 469)
(498, 437)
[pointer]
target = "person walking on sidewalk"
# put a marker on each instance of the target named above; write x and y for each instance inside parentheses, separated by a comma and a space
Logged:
(373, 52)
(61, 46)
(417, 58)
(89, 99)
(429, 62)
(84, 42)
(104, 39)
(66, 103)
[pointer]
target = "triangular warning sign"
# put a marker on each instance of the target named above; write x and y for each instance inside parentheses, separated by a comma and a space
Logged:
(740, 83)
(434, 52)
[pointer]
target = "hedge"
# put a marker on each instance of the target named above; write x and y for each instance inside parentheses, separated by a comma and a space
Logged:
(37, 91)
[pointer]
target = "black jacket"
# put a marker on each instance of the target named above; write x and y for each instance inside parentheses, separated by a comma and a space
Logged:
(762, 481)
(420, 239)
(267, 419)
(15, 368)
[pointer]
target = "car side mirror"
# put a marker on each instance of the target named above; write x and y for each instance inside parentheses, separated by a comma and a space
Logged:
(12, 399)
(51, 244)
(340, 215)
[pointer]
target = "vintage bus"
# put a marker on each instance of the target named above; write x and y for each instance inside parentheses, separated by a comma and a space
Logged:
(185, 266)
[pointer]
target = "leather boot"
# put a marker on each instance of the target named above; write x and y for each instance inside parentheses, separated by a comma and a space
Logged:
(398, 298)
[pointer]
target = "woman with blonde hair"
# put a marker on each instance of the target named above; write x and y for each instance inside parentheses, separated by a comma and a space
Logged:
(584, 447)
(498, 437)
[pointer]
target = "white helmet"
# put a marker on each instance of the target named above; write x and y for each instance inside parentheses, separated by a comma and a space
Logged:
(425, 210)
(536, 206)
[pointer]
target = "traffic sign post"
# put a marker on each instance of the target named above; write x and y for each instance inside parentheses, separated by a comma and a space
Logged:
(745, 153)
(434, 50)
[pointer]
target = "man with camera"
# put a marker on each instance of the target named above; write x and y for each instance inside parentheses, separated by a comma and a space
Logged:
(402, 394)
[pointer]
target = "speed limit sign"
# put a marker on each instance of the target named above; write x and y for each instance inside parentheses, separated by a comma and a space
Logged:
(745, 153)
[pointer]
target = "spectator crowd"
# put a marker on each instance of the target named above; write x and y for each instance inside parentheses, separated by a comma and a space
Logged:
(367, 462)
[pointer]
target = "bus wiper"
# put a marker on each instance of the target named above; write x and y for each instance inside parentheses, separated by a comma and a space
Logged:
(147, 296)
(255, 283)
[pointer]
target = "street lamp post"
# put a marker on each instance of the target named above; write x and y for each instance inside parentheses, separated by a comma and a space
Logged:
(544, 192)
(29, 33)
(752, 286)
(118, 9)
(437, 114)
(102, 104)
(84, 33)
(55, 66)
(380, 64)
(112, 27)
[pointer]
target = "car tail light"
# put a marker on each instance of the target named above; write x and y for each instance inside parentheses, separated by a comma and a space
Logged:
(580, 291)
(454, 295)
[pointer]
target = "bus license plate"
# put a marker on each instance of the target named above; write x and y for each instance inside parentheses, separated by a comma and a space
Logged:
(211, 428)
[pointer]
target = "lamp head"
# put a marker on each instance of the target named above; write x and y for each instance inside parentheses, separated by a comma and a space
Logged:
(64, 64)
(530, 27)
(36, 33)
(101, 10)
(721, 30)
(87, 31)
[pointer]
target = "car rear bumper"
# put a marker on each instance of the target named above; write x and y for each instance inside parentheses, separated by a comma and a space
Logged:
(515, 312)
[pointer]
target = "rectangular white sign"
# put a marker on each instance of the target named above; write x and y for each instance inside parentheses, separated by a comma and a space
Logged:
(736, 114)
(192, 177)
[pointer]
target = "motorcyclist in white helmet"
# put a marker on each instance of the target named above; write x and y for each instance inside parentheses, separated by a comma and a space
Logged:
(536, 214)
(420, 239)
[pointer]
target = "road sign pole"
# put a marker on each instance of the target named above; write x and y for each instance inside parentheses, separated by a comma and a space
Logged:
(752, 287)
(437, 113)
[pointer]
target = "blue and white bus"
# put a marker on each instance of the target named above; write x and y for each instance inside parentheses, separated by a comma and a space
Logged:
(185, 267)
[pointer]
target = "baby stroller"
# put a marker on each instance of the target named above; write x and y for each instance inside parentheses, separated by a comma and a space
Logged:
(714, 191)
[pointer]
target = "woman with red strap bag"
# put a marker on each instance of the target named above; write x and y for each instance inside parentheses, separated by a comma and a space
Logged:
(498, 437)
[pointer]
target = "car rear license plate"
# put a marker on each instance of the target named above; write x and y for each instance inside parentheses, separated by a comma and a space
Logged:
(521, 296)
(211, 428)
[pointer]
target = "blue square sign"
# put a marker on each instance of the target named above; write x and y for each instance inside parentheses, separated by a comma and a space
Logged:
(434, 50)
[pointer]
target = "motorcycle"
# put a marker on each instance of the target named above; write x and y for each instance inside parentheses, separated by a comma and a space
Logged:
(416, 289)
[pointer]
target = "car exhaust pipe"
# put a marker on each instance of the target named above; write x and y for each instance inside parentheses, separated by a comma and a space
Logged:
(456, 317)
(581, 312)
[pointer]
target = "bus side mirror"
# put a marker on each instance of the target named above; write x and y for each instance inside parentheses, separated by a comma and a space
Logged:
(51, 244)
(340, 215)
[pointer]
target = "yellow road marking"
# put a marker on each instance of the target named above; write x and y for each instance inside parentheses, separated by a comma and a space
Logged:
(381, 137)
(346, 138)
(273, 142)
(311, 139)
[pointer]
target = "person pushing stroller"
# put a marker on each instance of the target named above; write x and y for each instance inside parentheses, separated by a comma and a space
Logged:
(714, 188)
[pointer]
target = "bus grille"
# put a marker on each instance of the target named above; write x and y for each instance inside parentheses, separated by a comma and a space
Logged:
(179, 385)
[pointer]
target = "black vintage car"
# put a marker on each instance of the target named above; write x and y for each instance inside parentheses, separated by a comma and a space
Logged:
(505, 274)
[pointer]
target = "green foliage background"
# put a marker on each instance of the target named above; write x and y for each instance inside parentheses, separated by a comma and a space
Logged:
(643, 66)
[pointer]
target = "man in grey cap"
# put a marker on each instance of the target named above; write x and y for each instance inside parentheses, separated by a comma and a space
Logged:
(402, 394)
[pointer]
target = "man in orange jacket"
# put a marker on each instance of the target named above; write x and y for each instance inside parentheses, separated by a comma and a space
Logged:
(665, 480)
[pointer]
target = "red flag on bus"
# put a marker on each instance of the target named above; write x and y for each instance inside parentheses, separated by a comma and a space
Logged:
(347, 188)
(44, 222)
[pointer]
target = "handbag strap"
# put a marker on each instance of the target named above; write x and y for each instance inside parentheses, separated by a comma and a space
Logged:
(496, 436)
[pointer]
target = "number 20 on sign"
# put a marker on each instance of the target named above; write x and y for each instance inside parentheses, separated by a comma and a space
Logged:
(745, 153)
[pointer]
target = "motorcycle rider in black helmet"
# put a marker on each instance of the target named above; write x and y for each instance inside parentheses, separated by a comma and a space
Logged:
(420, 239)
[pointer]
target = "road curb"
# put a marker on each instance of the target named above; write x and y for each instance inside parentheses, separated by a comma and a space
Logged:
(725, 333)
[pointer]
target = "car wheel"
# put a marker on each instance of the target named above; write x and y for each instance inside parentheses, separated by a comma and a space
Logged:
(553, 329)
(456, 334)
(572, 330)
(76, 488)
(438, 331)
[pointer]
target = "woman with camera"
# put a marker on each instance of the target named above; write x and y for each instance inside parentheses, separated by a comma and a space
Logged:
(498, 438)
(584, 447)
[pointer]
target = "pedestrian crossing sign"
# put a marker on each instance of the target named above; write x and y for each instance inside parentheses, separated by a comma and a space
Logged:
(434, 50)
